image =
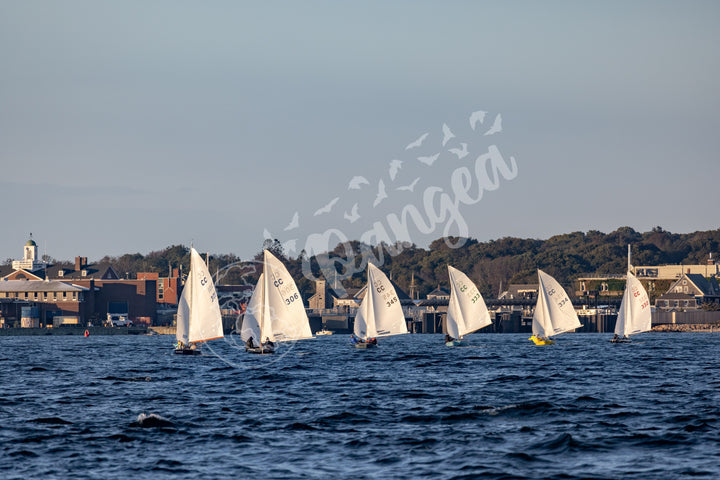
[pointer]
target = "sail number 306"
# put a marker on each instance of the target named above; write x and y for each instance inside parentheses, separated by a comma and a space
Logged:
(289, 300)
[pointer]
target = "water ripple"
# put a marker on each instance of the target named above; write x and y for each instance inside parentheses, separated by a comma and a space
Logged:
(412, 408)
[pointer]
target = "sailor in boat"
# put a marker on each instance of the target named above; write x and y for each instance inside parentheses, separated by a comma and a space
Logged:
(538, 340)
(448, 338)
(268, 343)
(250, 345)
(371, 342)
(182, 347)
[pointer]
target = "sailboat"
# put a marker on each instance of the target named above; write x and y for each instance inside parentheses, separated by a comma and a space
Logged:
(380, 313)
(275, 312)
(554, 312)
(634, 315)
(466, 311)
(198, 317)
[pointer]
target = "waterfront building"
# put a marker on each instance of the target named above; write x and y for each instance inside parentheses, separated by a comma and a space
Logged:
(168, 288)
(655, 278)
(351, 299)
(671, 272)
(689, 292)
(438, 294)
(78, 293)
(520, 291)
(31, 261)
(322, 299)
(519, 298)
(54, 303)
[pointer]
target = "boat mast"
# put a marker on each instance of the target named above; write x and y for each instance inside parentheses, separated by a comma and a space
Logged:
(264, 294)
(190, 297)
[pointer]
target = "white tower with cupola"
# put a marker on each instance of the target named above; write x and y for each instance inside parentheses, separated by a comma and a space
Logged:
(30, 259)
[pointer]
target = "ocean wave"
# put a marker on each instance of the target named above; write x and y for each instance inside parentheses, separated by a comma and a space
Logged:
(126, 379)
(412, 410)
(23, 453)
(151, 420)
(50, 421)
(558, 444)
(300, 426)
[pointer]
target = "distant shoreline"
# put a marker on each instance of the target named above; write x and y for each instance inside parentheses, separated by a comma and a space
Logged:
(165, 330)
(62, 331)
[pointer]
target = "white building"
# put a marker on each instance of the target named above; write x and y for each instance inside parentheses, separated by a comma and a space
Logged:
(30, 261)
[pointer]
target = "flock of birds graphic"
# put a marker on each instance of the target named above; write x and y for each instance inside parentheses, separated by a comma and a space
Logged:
(359, 181)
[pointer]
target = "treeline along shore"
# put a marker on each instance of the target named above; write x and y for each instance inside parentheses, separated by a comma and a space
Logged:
(492, 264)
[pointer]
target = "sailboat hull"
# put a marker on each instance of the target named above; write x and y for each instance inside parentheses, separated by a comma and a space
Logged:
(538, 341)
(365, 345)
(187, 351)
(264, 350)
(457, 343)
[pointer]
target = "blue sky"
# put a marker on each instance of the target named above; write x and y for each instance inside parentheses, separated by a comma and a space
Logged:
(132, 126)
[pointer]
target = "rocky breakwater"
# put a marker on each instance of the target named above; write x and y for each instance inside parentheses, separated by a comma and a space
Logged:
(694, 327)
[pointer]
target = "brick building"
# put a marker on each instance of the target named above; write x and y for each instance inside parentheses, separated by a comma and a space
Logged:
(78, 294)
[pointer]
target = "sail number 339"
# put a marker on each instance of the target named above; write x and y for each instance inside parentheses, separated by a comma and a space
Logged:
(474, 295)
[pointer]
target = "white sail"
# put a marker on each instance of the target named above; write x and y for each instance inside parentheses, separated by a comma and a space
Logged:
(276, 309)
(198, 318)
(380, 313)
(467, 311)
(634, 315)
(252, 320)
(364, 320)
(554, 312)
(285, 308)
(182, 327)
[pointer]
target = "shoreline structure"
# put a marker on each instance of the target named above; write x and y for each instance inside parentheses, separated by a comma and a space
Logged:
(160, 330)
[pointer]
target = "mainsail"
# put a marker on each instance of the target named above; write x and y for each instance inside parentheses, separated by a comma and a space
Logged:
(252, 326)
(554, 312)
(380, 313)
(284, 303)
(198, 317)
(634, 315)
(467, 311)
(276, 309)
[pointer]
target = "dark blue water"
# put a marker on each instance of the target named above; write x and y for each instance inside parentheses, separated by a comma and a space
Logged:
(126, 407)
